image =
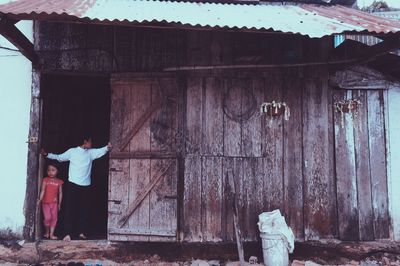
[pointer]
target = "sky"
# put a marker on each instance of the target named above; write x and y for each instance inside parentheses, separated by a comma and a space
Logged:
(391, 3)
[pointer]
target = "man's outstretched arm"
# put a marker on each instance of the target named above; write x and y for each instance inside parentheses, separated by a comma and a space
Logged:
(97, 153)
(63, 157)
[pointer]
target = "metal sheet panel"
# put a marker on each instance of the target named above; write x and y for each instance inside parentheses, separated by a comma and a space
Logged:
(305, 19)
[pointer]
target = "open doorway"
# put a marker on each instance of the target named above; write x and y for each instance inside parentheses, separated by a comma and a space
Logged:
(74, 106)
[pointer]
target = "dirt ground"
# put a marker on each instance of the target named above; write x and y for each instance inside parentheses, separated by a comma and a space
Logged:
(104, 253)
(386, 260)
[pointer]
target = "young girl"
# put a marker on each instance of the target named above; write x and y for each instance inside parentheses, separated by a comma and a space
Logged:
(51, 197)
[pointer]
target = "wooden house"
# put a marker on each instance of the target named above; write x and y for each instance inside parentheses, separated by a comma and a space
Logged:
(177, 88)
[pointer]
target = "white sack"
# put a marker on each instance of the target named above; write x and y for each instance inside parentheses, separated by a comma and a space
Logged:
(273, 223)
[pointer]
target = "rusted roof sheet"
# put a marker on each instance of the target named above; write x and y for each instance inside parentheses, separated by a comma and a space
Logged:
(305, 19)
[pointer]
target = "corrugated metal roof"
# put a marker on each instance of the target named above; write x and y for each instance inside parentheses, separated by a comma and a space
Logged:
(305, 19)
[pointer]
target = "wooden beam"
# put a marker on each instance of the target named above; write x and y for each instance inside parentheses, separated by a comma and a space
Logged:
(142, 231)
(144, 155)
(18, 39)
(389, 44)
(360, 78)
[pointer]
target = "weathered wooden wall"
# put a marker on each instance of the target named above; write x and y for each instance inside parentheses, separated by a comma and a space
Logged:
(328, 181)
(279, 164)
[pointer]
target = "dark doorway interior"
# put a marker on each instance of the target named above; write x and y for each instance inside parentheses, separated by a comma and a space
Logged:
(74, 106)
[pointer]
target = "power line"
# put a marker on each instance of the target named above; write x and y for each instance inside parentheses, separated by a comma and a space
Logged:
(9, 49)
(10, 55)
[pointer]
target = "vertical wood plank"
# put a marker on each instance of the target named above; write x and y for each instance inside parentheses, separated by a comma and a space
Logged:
(252, 98)
(365, 213)
(273, 144)
(164, 123)
(140, 170)
(194, 115)
(232, 168)
(376, 127)
(119, 179)
(118, 194)
(198, 47)
(213, 137)
(163, 126)
(123, 39)
(293, 156)
(163, 199)
(120, 107)
(192, 206)
(346, 172)
(232, 130)
(221, 48)
(211, 196)
(139, 178)
(252, 185)
(319, 189)
(118, 191)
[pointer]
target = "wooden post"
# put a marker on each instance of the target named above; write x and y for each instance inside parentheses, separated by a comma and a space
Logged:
(236, 222)
(18, 39)
(38, 223)
(238, 233)
(33, 159)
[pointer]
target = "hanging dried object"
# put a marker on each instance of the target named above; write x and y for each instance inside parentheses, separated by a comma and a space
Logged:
(351, 107)
(273, 109)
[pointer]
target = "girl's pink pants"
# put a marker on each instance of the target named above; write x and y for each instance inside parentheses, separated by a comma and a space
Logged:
(50, 212)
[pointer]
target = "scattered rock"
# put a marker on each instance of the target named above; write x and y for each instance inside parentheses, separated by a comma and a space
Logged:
(298, 263)
(304, 263)
(214, 263)
(386, 261)
(253, 260)
(310, 263)
(369, 263)
(154, 258)
(200, 263)
(233, 263)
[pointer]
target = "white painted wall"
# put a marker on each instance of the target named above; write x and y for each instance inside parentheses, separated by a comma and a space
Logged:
(394, 159)
(15, 98)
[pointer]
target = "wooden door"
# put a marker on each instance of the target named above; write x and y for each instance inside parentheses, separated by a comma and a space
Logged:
(143, 198)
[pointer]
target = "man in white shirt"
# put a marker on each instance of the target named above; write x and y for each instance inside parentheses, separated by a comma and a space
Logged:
(79, 179)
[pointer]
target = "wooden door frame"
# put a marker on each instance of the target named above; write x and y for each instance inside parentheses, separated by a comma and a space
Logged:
(33, 223)
(34, 144)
